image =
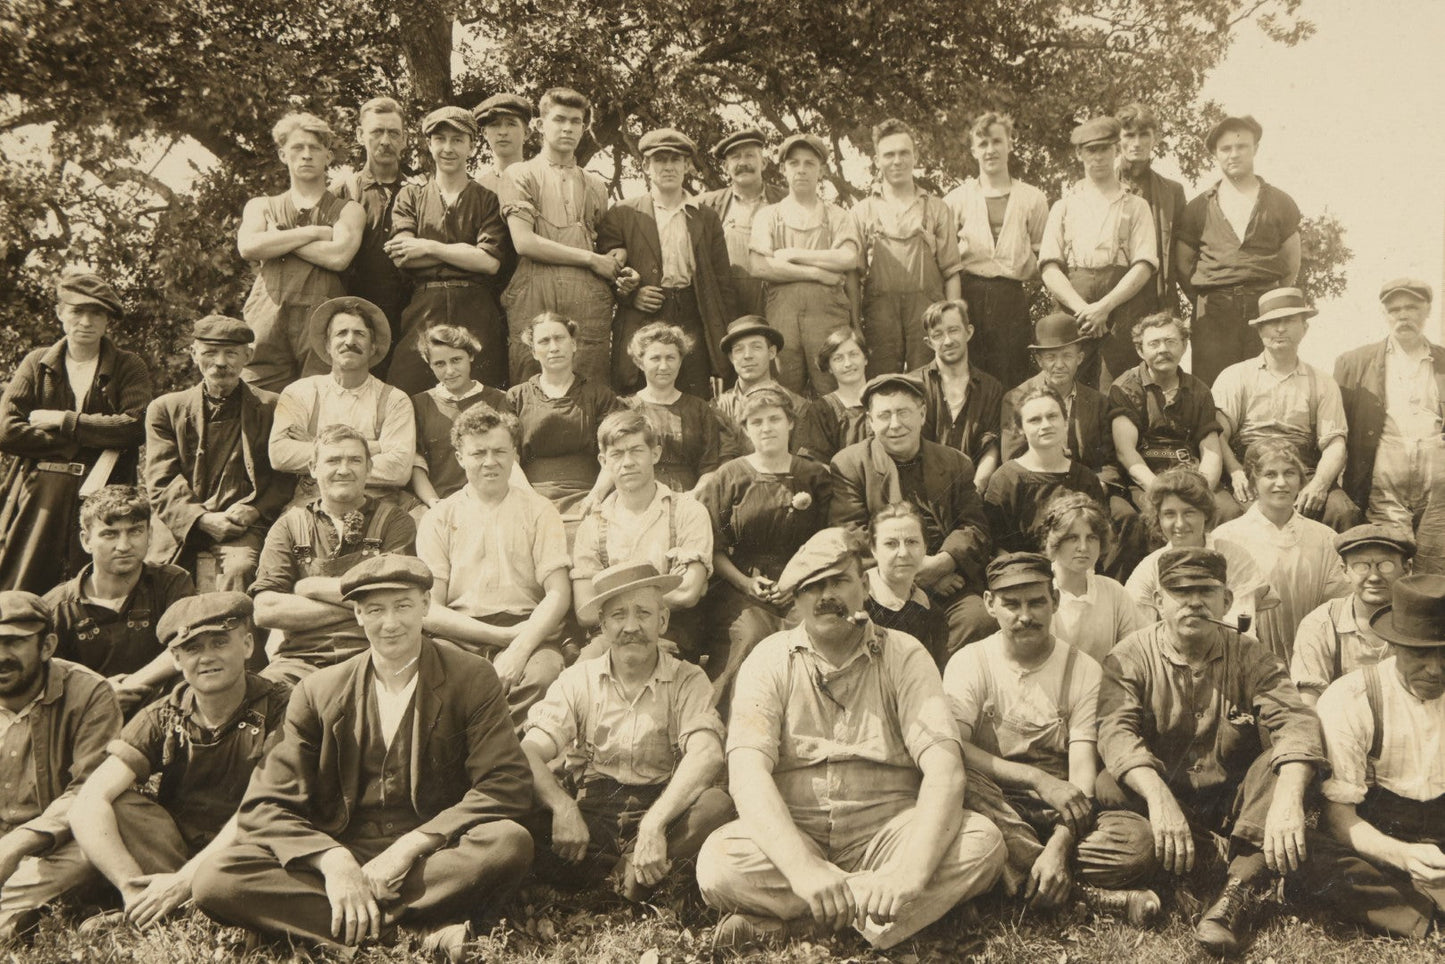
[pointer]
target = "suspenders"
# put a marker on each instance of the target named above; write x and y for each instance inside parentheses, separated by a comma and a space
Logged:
(602, 530)
(1375, 696)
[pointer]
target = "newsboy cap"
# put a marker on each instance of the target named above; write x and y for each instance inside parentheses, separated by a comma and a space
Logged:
(1095, 129)
(23, 613)
(1370, 534)
(748, 135)
(892, 381)
(499, 104)
(1018, 569)
(1244, 122)
(1192, 566)
(389, 570)
(222, 330)
(208, 612)
(449, 116)
(812, 142)
(666, 139)
(87, 288)
(1409, 286)
(826, 553)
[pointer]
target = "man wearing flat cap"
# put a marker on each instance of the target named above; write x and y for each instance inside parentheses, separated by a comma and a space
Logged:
(677, 247)
(208, 467)
(1099, 252)
(1279, 395)
(352, 335)
(57, 717)
(1336, 638)
(301, 241)
(503, 120)
(1205, 739)
(1385, 796)
(808, 252)
(1237, 240)
(200, 744)
(449, 237)
(643, 745)
(71, 421)
(736, 205)
(845, 765)
(392, 795)
(897, 464)
(1394, 397)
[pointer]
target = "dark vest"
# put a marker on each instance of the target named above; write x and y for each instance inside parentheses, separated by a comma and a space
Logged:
(383, 800)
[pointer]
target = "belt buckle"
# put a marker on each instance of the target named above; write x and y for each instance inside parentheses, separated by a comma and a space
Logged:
(1183, 456)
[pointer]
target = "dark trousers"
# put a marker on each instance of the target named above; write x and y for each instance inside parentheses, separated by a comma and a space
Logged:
(612, 812)
(968, 620)
(1113, 352)
(1002, 332)
(1222, 334)
(467, 304)
(679, 307)
(1131, 537)
(245, 885)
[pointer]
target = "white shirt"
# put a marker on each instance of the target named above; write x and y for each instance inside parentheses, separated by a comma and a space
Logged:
(1237, 206)
(9, 718)
(393, 448)
(676, 245)
(1094, 622)
(391, 707)
(1412, 399)
(1412, 750)
(82, 376)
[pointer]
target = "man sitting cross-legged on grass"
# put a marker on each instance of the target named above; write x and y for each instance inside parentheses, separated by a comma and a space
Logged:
(201, 743)
(643, 743)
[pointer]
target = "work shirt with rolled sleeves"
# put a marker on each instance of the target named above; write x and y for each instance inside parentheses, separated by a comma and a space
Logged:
(823, 227)
(1013, 253)
(1332, 641)
(202, 771)
(1227, 259)
(634, 741)
(380, 412)
(115, 641)
(562, 202)
(1177, 420)
(674, 530)
(845, 741)
(1089, 229)
(906, 247)
(1412, 745)
(1199, 729)
(1304, 406)
(473, 217)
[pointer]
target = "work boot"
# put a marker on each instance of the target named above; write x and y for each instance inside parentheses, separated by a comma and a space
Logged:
(738, 931)
(448, 944)
(1221, 931)
(1140, 907)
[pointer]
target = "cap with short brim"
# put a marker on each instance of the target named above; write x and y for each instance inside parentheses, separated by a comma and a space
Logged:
(1192, 567)
(389, 570)
(826, 553)
(207, 612)
(23, 613)
(78, 288)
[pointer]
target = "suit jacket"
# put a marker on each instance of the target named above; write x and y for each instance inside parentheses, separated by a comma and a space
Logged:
(1361, 376)
(630, 224)
(467, 767)
(1167, 208)
(175, 427)
(865, 479)
(1090, 428)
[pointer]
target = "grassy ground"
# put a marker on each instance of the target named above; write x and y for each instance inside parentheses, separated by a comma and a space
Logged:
(549, 929)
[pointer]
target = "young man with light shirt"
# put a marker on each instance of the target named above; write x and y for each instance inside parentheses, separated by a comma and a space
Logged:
(738, 204)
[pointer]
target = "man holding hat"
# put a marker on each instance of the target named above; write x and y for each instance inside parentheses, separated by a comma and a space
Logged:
(503, 120)
(751, 345)
(643, 745)
(1183, 712)
(845, 765)
(42, 698)
(1336, 638)
(1278, 394)
(301, 241)
(808, 252)
(736, 205)
(910, 252)
(1394, 396)
(963, 402)
(392, 794)
(897, 464)
(208, 467)
(1237, 240)
(1100, 251)
(71, 420)
(1385, 797)
(201, 743)
(677, 247)
(352, 335)
(449, 237)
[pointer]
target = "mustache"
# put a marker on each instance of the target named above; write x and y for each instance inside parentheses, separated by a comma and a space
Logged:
(744, 168)
(829, 605)
(10, 665)
(632, 636)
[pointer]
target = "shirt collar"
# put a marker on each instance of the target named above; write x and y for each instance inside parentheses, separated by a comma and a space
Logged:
(661, 495)
(334, 387)
(1091, 591)
(1392, 347)
(886, 597)
(1261, 361)
(664, 672)
(1146, 377)
(1172, 653)
(870, 648)
(440, 391)
(1345, 621)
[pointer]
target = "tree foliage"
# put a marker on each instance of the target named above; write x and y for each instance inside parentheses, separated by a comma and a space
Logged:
(103, 90)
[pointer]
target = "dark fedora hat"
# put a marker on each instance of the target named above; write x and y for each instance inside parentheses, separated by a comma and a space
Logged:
(1416, 614)
(751, 325)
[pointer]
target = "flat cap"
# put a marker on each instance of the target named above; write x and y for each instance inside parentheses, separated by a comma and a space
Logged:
(208, 612)
(1283, 303)
(223, 330)
(1370, 534)
(1409, 286)
(812, 142)
(748, 135)
(751, 325)
(1018, 569)
(1096, 129)
(450, 116)
(826, 553)
(498, 104)
(893, 381)
(666, 139)
(1192, 566)
(389, 570)
(23, 613)
(87, 288)
(1244, 122)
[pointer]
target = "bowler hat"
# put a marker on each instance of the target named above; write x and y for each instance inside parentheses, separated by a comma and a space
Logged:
(389, 570)
(1056, 330)
(222, 330)
(87, 288)
(208, 612)
(666, 139)
(1244, 122)
(826, 553)
(1416, 614)
(615, 580)
(1282, 303)
(1412, 286)
(374, 317)
(751, 325)
(748, 135)
(23, 613)
(498, 104)
(457, 117)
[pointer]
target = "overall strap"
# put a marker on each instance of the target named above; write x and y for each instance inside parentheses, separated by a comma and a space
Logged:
(601, 518)
(1339, 655)
(382, 397)
(1068, 679)
(1375, 696)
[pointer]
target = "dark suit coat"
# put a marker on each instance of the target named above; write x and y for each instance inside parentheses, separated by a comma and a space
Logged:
(630, 224)
(175, 427)
(865, 479)
(1361, 375)
(1168, 208)
(467, 767)
(1089, 428)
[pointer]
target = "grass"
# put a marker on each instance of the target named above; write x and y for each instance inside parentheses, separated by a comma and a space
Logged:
(549, 928)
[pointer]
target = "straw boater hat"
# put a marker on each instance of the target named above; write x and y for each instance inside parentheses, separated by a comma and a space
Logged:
(1283, 303)
(615, 580)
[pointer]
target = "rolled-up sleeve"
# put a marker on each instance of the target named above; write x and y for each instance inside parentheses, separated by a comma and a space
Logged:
(759, 694)
(695, 709)
(1051, 247)
(557, 714)
(517, 193)
(945, 239)
(694, 534)
(1349, 730)
(924, 716)
(1330, 421)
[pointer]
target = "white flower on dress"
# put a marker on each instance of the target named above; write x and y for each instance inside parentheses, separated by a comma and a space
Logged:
(802, 501)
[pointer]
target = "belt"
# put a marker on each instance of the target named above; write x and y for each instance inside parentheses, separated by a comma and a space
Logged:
(456, 283)
(1182, 456)
(64, 468)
